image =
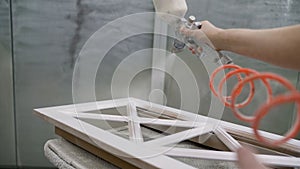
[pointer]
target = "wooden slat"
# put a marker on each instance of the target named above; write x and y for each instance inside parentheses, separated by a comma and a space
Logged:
(135, 133)
(173, 123)
(142, 120)
(100, 117)
(271, 160)
(227, 139)
(178, 137)
(92, 106)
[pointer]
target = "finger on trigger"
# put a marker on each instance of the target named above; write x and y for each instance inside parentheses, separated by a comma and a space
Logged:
(187, 32)
(182, 30)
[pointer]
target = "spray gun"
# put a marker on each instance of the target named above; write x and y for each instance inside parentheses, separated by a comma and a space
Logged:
(171, 11)
(179, 45)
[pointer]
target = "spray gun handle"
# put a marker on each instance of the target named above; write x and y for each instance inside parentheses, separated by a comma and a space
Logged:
(178, 46)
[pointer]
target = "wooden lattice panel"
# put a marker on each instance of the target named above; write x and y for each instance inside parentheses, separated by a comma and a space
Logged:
(158, 152)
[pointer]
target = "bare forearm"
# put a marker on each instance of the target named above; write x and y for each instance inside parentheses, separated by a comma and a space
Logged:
(280, 46)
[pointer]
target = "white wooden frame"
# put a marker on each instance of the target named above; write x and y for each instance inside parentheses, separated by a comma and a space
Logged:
(68, 118)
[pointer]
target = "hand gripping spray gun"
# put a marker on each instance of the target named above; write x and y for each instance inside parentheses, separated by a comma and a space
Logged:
(167, 8)
(178, 8)
(178, 45)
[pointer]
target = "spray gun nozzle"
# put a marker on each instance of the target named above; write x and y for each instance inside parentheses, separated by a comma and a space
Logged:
(177, 46)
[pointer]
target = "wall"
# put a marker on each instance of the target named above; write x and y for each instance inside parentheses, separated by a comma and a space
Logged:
(47, 36)
(7, 127)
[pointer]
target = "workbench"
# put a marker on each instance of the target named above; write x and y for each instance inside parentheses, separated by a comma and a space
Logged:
(65, 155)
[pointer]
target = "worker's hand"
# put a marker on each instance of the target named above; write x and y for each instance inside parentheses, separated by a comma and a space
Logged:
(246, 160)
(208, 34)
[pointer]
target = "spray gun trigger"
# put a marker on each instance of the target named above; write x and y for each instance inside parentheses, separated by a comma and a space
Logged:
(198, 25)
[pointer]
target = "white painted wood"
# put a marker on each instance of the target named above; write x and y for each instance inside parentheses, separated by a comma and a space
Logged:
(117, 129)
(142, 120)
(92, 106)
(178, 137)
(230, 127)
(169, 111)
(293, 145)
(107, 117)
(108, 141)
(66, 118)
(246, 132)
(227, 139)
(279, 161)
(173, 123)
(135, 133)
